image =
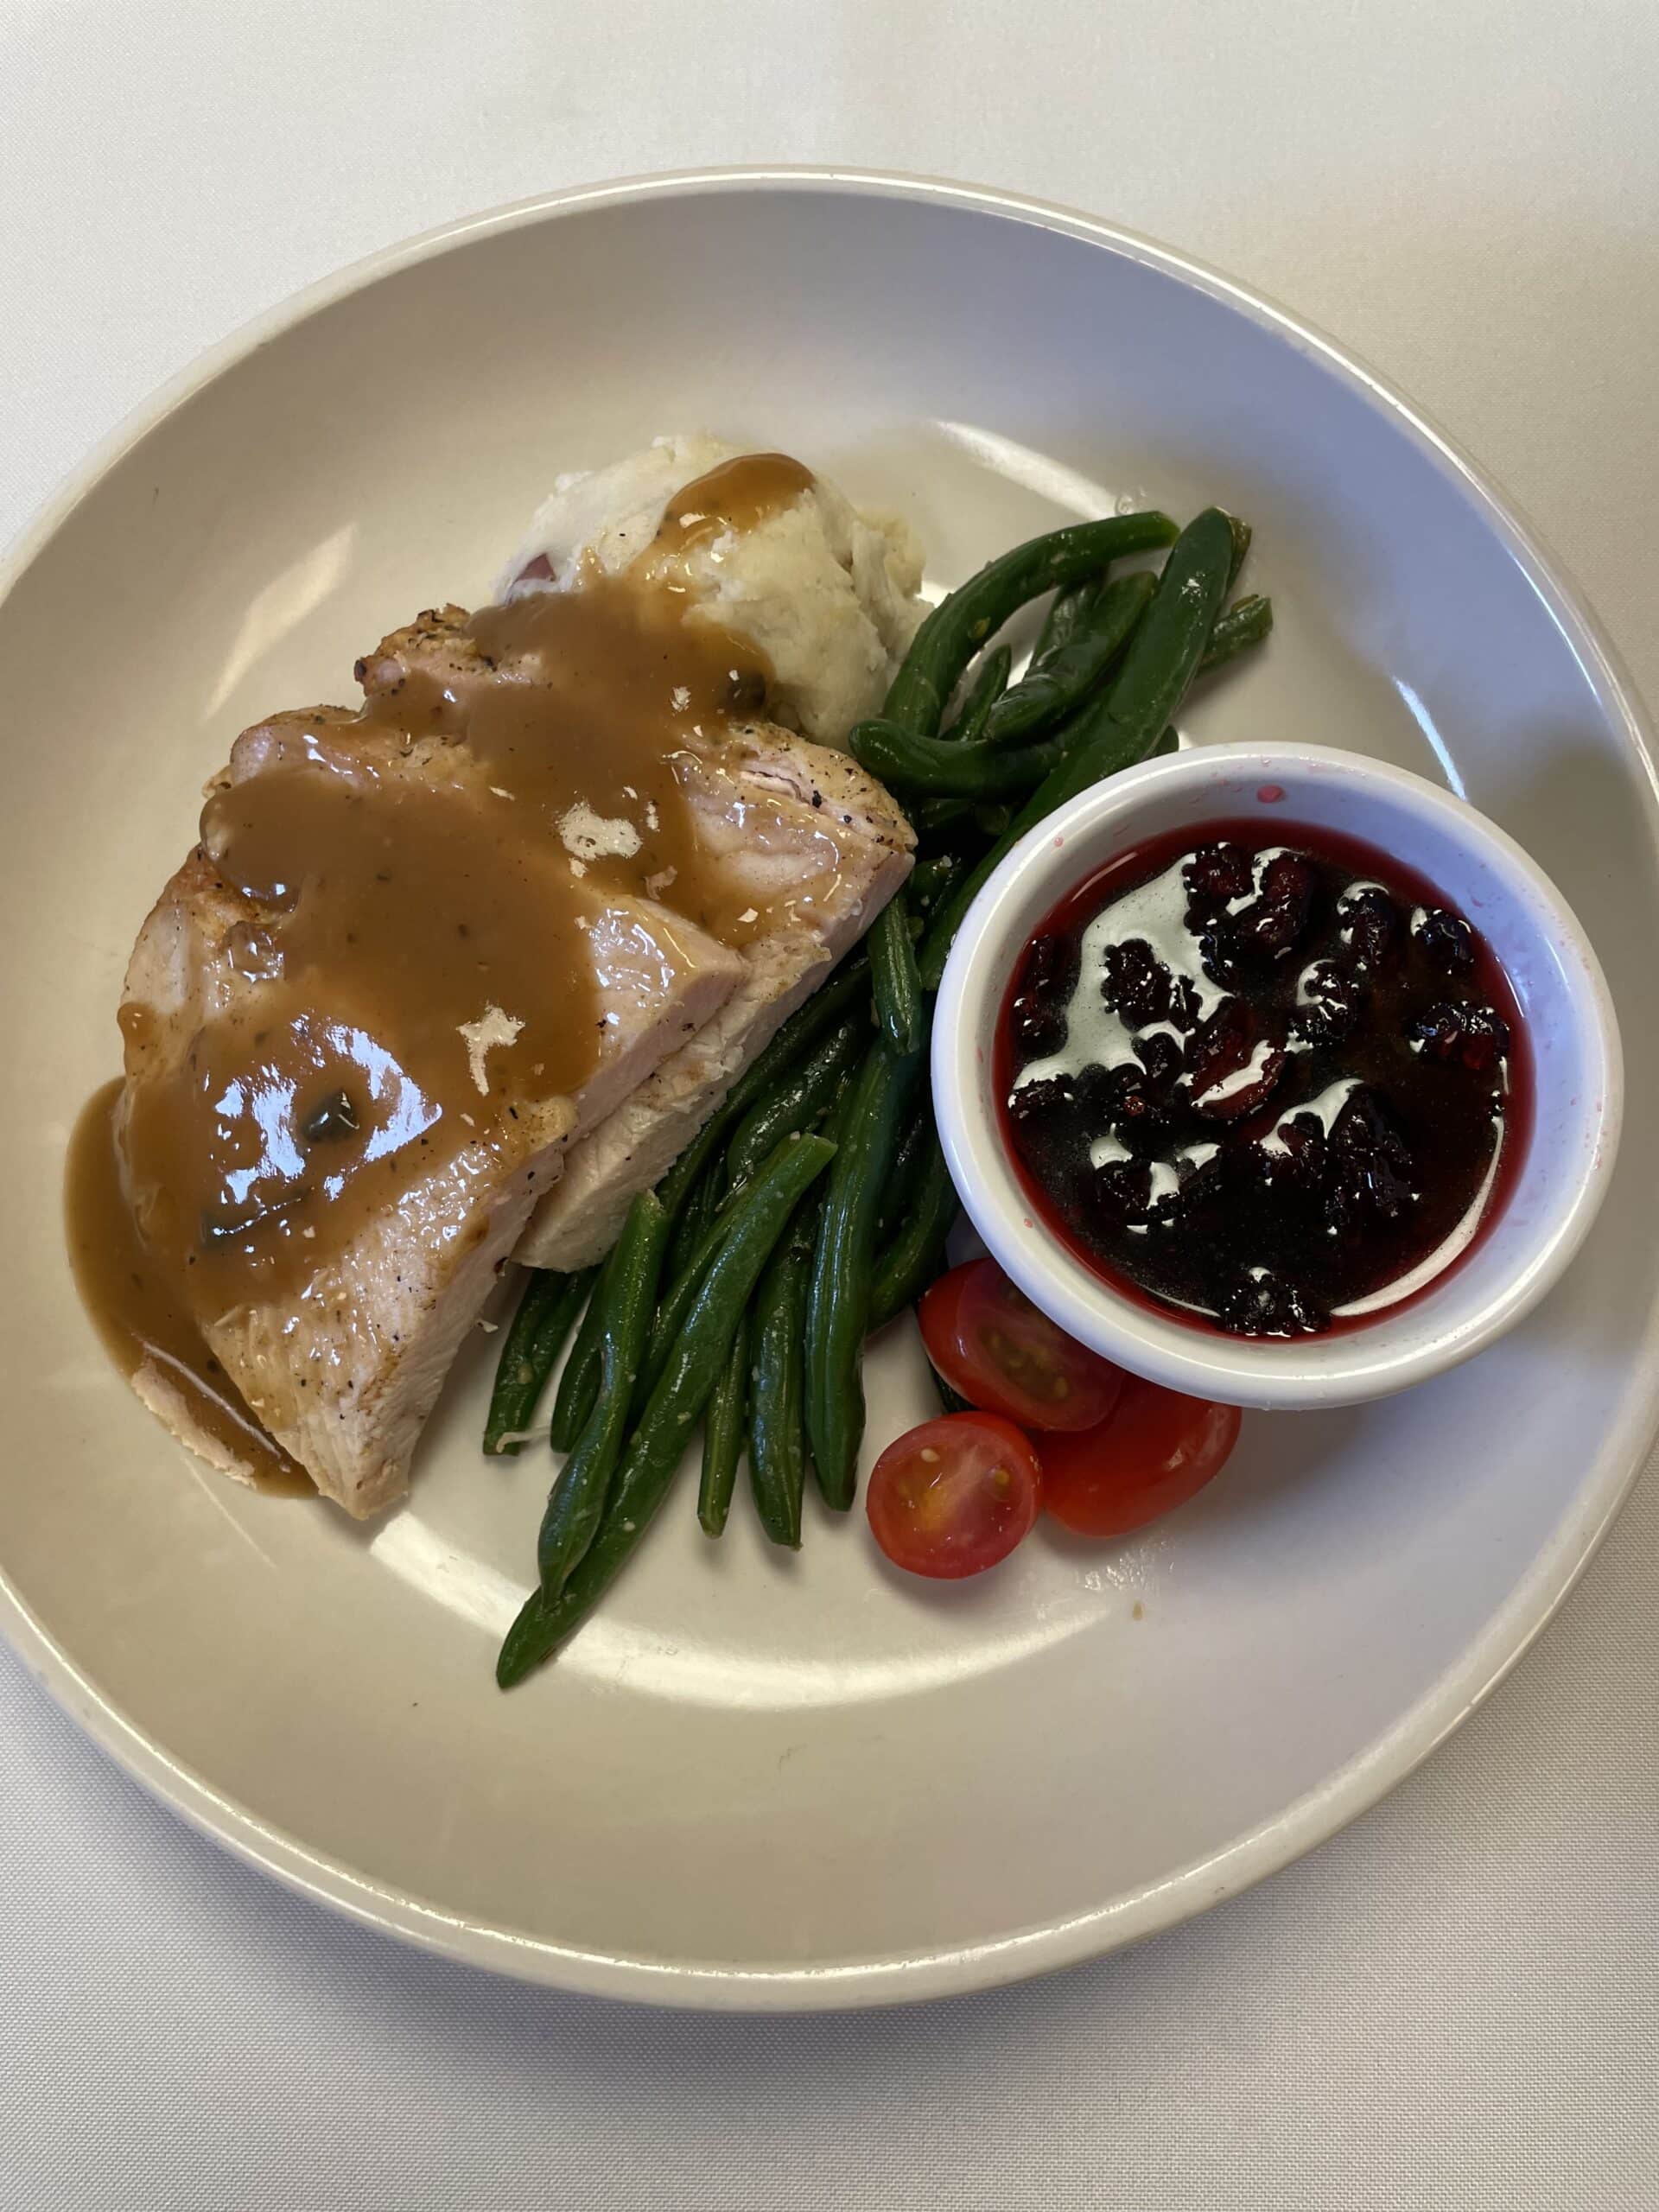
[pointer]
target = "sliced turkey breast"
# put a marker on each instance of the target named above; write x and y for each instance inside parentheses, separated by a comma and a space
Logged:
(458, 973)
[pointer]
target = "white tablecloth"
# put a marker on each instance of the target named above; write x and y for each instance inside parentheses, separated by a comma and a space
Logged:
(1455, 2004)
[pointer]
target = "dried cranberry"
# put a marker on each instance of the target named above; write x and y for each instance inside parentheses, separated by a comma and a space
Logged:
(1136, 984)
(1275, 922)
(1362, 1190)
(1231, 1042)
(1168, 1203)
(1216, 874)
(1365, 1186)
(1370, 1166)
(1473, 1036)
(1227, 1103)
(1445, 938)
(1050, 965)
(1040, 1026)
(1332, 1000)
(1162, 1057)
(1221, 954)
(1265, 1304)
(1046, 983)
(1364, 1127)
(1134, 1110)
(1118, 1191)
(1092, 1096)
(1371, 924)
(1294, 1165)
(1033, 1103)
(1221, 1045)
(1201, 1200)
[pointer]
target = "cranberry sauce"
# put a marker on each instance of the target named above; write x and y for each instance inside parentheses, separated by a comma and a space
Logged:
(1277, 1087)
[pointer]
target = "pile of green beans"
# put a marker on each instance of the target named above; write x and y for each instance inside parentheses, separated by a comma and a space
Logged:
(814, 1204)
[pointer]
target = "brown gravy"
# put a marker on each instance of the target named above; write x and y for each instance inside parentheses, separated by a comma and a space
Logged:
(426, 893)
(139, 1314)
(736, 495)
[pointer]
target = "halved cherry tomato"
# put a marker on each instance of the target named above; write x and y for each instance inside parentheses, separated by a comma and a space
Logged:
(1152, 1454)
(954, 1495)
(992, 1344)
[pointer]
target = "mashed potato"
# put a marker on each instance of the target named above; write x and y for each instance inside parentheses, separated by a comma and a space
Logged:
(829, 594)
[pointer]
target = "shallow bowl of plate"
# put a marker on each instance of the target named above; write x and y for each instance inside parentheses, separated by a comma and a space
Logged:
(761, 1778)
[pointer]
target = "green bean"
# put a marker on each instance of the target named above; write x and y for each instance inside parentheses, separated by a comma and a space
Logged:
(702, 1204)
(947, 917)
(658, 1445)
(893, 980)
(1069, 673)
(579, 1385)
(1165, 648)
(795, 1038)
(578, 1391)
(871, 1123)
(833, 999)
(685, 1178)
(928, 816)
(796, 1103)
(723, 1426)
(961, 862)
(777, 1415)
(796, 1100)
(1242, 536)
(679, 1295)
(1245, 623)
(929, 877)
(627, 1296)
(688, 1194)
(907, 1158)
(1065, 611)
(986, 689)
(916, 1254)
(1124, 724)
(956, 629)
(908, 763)
(529, 1352)
(939, 653)
(899, 1193)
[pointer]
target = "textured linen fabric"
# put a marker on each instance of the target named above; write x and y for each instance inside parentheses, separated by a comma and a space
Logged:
(1456, 2003)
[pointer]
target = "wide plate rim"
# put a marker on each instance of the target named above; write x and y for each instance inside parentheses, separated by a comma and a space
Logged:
(1298, 1827)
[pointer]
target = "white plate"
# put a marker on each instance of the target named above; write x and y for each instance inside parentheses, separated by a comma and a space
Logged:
(759, 1781)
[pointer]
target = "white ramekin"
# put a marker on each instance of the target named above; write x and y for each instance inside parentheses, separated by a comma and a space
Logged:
(1576, 1060)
